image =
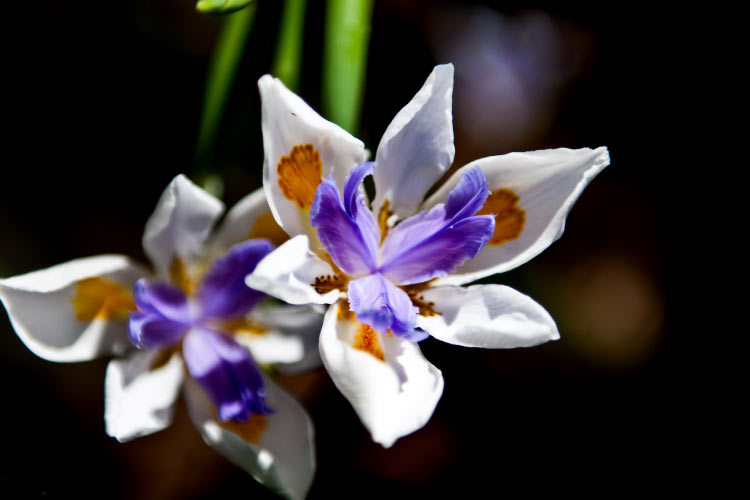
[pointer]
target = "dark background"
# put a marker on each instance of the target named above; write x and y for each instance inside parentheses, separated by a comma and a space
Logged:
(103, 107)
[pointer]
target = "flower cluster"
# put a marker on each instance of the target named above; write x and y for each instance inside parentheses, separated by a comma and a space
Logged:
(391, 270)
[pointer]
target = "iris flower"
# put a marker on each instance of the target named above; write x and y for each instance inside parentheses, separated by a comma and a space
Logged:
(195, 323)
(392, 269)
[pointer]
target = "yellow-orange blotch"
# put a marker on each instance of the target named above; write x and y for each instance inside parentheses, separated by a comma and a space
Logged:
(180, 276)
(366, 340)
(101, 298)
(250, 431)
(383, 216)
(300, 174)
(265, 226)
(509, 218)
(242, 326)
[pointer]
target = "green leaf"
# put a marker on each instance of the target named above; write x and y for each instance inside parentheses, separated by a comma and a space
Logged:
(288, 60)
(345, 60)
(221, 72)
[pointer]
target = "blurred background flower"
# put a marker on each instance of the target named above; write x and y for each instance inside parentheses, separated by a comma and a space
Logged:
(105, 105)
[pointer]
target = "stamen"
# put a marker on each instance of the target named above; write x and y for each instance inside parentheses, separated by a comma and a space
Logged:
(510, 218)
(414, 292)
(300, 174)
(366, 340)
(250, 431)
(265, 226)
(101, 298)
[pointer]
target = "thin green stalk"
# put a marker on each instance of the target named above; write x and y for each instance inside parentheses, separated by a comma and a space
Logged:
(221, 72)
(345, 60)
(288, 58)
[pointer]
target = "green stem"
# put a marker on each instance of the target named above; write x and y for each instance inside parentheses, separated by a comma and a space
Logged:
(345, 60)
(221, 72)
(287, 62)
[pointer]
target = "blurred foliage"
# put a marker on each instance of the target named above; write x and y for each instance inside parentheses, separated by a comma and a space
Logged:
(221, 7)
(228, 52)
(345, 60)
(287, 64)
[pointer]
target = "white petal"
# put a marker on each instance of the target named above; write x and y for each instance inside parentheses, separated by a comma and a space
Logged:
(291, 342)
(272, 346)
(180, 224)
(287, 121)
(492, 316)
(249, 218)
(138, 400)
(42, 313)
(288, 273)
(394, 397)
(417, 147)
(283, 458)
(548, 183)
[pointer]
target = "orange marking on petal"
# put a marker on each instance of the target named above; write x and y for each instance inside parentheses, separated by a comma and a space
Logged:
(250, 431)
(343, 313)
(242, 326)
(383, 216)
(414, 292)
(366, 340)
(163, 356)
(265, 226)
(509, 217)
(101, 298)
(324, 284)
(180, 276)
(300, 174)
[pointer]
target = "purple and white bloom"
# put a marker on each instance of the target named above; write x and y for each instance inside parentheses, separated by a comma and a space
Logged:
(392, 268)
(197, 327)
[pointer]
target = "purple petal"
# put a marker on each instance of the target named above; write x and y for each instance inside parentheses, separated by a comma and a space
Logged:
(162, 299)
(356, 206)
(468, 196)
(441, 253)
(162, 318)
(227, 372)
(222, 292)
(380, 304)
(433, 243)
(348, 232)
(151, 330)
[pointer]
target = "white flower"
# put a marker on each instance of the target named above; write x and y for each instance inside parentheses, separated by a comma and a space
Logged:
(397, 272)
(194, 316)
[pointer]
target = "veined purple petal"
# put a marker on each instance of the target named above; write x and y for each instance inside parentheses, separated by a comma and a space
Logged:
(433, 243)
(222, 292)
(441, 253)
(227, 372)
(349, 233)
(162, 299)
(468, 196)
(152, 330)
(356, 206)
(162, 318)
(380, 304)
